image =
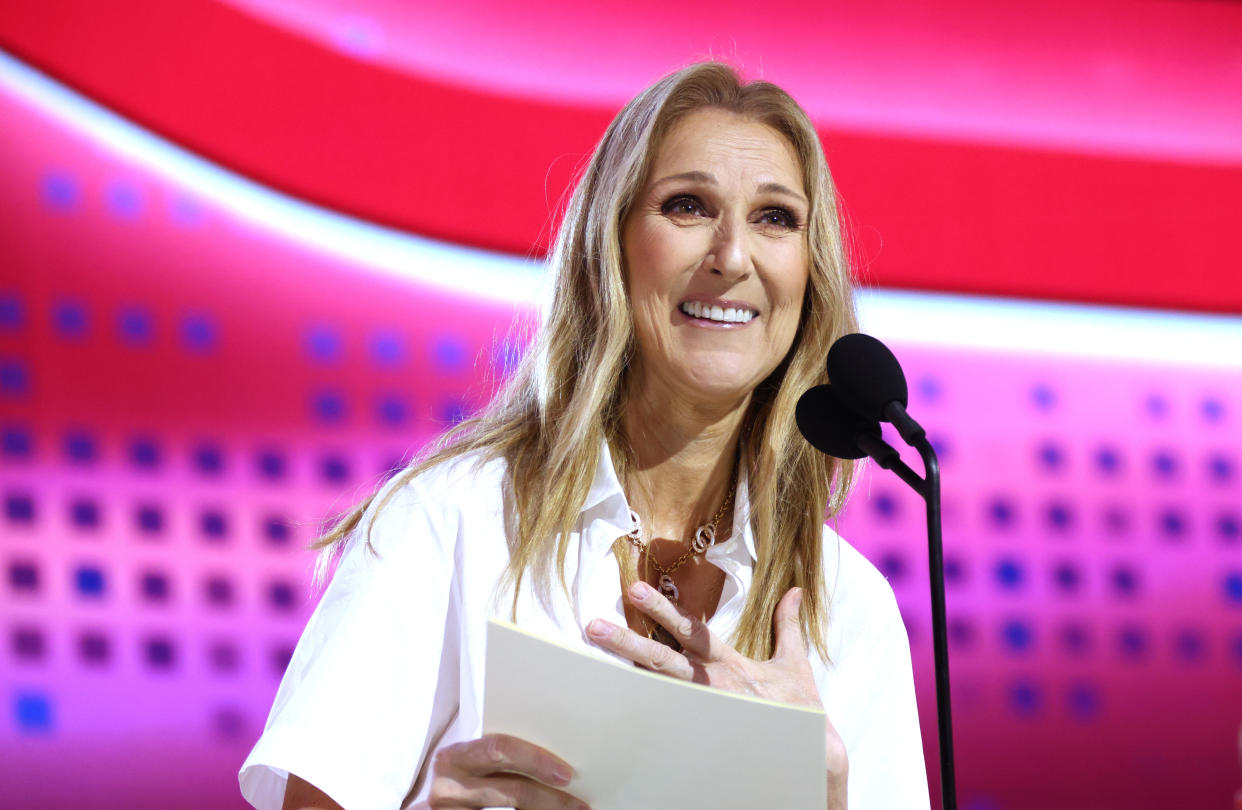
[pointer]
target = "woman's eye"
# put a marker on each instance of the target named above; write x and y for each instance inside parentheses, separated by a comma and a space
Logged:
(779, 217)
(683, 205)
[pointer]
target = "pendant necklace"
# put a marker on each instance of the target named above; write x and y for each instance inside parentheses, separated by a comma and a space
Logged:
(704, 538)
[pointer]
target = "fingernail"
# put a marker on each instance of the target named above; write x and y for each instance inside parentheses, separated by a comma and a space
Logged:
(640, 591)
(562, 774)
(598, 628)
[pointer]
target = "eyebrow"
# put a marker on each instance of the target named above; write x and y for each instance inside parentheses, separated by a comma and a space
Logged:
(710, 179)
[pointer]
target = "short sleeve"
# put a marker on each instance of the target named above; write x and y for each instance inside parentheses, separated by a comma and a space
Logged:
(372, 680)
(887, 768)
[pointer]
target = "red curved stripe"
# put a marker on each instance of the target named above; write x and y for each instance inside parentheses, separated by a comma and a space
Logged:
(483, 169)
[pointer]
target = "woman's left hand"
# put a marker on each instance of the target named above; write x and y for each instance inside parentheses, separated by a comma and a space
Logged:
(705, 659)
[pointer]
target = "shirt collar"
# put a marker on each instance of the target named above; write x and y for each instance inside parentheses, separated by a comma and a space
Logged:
(606, 492)
(741, 511)
(606, 487)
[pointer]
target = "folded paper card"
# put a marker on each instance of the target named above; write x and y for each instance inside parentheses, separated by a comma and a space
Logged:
(642, 741)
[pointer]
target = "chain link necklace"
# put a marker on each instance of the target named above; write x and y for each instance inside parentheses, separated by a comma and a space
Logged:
(704, 538)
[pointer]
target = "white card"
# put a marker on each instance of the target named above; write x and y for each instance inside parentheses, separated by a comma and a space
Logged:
(642, 741)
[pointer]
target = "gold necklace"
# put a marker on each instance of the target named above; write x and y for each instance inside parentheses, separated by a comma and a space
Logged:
(704, 538)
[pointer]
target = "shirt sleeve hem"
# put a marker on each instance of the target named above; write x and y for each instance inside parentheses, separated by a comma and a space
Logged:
(264, 776)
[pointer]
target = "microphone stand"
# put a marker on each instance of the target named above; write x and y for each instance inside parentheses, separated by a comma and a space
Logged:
(928, 487)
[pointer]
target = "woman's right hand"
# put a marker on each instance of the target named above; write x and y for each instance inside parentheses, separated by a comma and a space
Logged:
(497, 770)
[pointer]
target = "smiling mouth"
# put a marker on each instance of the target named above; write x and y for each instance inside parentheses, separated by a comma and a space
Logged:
(708, 312)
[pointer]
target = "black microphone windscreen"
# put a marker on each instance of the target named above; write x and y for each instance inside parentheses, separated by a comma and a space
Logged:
(829, 425)
(866, 375)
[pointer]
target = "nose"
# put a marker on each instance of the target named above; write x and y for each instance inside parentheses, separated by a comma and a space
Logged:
(731, 257)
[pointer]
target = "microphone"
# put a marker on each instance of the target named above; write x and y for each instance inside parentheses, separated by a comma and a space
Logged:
(869, 379)
(843, 419)
(830, 426)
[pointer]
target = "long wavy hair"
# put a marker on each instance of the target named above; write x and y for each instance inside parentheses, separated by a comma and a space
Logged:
(565, 399)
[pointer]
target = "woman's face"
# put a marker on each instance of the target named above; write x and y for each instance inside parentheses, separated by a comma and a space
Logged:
(716, 257)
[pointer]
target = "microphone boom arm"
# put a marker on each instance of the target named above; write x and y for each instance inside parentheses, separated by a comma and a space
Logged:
(868, 387)
(928, 487)
(883, 454)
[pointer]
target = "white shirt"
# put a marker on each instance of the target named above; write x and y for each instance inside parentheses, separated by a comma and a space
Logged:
(390, 666)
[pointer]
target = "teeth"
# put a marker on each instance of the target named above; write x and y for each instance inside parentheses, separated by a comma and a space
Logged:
(697, 309)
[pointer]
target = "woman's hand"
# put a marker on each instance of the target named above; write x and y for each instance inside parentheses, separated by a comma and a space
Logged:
(497, 770)
(705, 659)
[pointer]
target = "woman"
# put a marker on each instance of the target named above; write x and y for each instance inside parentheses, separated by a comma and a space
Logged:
(647, 447)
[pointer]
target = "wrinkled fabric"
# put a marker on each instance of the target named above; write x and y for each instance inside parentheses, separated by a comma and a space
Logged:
(390, 666)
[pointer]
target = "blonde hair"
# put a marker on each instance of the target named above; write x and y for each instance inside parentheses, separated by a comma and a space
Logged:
(564, 400)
